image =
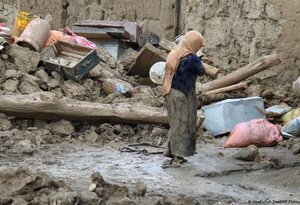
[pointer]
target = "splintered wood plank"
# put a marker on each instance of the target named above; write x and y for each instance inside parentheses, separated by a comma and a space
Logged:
(148, 56)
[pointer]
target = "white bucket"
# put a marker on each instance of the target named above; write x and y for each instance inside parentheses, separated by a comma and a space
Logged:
(157, 72)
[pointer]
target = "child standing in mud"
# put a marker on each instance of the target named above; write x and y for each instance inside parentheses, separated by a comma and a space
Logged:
(181, 71)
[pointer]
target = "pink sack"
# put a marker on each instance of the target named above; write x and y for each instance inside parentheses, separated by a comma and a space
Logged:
(79, 39)
(257, 132)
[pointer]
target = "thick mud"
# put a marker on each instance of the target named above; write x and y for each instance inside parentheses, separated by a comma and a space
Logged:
(212, 175)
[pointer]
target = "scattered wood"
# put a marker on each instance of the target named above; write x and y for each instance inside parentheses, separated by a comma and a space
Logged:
(49, 107)
(243, 85)
(148, 56)
(242, 73)
(204, 99)
(96, 29)
(168, 46)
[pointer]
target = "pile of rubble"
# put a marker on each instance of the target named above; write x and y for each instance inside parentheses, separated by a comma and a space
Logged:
(21, 186)
(21, 74)
(46, 106)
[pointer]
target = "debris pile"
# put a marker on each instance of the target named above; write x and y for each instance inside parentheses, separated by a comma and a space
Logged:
(24, 186)
(72, 88)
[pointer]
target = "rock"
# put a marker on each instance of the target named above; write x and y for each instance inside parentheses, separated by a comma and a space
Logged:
(91, 136)
(28, 88)
(88, 84)
(72, 89)
(44, 136)
(5, 124)
(22, 181)
(181, 200)
(157, 132)
(106, 57)
(247, 154)
(31, 79)
(62, 127)
(125, 201)
(118, 129)
(4, 57)
(29, 84)
(127, 58)
(296, 87)
(12, 74)
(11, 66)
(106, 190)
(25, 147)
(89, 198)
(97, 179)
(43, 76)
(296, 148)
(254, 90)
(64, 198)
(25, 59)
(207, 135)
(267, 94)
(55, 81)
(92, 90)
(10, 85)
(102, 70)
(58, 92)
(140, 189)
(20, 201)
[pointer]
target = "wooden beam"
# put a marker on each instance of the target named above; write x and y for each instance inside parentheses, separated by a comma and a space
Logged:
(242, 73)
(49, 107)
(238, 86)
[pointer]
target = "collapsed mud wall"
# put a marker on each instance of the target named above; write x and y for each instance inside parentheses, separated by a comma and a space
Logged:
(239, 31)
(155, 15)
(236, 31)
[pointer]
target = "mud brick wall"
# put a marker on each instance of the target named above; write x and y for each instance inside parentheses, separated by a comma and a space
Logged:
(236, 31)
(239, 31)
(154, 15)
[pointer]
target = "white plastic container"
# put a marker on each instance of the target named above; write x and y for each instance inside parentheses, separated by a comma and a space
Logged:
(157, 72)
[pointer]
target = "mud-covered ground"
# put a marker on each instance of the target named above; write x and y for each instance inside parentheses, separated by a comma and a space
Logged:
(212, 175)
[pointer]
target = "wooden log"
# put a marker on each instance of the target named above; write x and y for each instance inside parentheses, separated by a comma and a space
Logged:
(204, 99)
(242, 85)
(242, 73)
(49, 107)
(168, 46)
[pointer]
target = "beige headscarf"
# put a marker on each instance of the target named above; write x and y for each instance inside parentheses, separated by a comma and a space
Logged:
(191, 43)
